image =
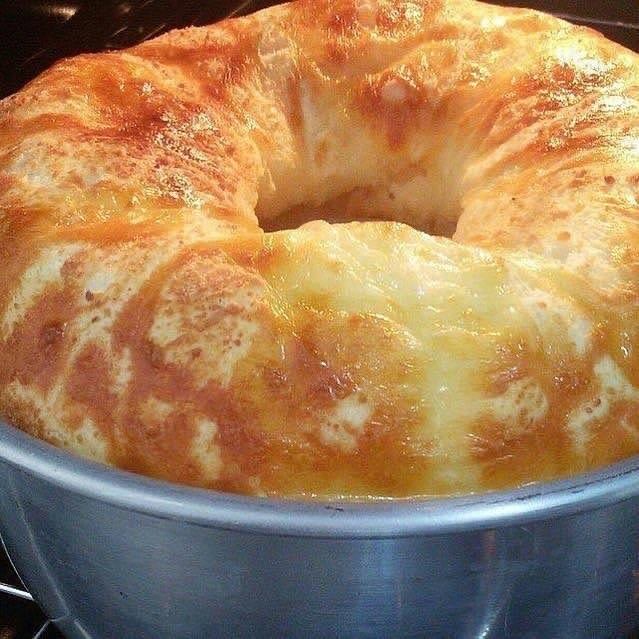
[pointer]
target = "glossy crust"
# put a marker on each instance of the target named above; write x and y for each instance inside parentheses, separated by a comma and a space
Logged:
(147, 321)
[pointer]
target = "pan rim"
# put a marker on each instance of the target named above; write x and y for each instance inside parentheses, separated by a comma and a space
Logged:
(20, 452)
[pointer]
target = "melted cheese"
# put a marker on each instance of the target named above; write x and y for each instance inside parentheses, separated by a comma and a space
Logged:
(146, 320)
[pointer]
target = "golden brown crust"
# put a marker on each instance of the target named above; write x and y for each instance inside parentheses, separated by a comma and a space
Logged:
(147, 321)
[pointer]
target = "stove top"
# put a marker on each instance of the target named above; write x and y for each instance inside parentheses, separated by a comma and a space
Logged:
(35, 33)
(20, 617)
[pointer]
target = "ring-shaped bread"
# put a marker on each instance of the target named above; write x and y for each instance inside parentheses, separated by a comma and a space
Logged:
(147, 320)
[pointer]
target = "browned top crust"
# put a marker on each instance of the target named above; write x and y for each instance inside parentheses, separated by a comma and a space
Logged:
(147, 321)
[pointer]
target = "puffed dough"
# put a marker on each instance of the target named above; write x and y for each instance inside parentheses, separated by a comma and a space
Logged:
(467, 321)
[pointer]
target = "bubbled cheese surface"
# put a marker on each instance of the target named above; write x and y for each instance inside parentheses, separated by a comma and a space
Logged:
(473, 328)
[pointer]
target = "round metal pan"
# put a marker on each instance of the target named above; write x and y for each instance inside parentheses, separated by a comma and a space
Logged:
(109, 554)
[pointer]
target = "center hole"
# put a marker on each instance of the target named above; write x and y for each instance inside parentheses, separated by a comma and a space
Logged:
(413, 209)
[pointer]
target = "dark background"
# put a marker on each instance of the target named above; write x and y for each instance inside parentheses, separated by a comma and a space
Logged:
(34, 33)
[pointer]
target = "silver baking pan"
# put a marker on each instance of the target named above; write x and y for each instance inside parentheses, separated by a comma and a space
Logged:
(112, 555)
